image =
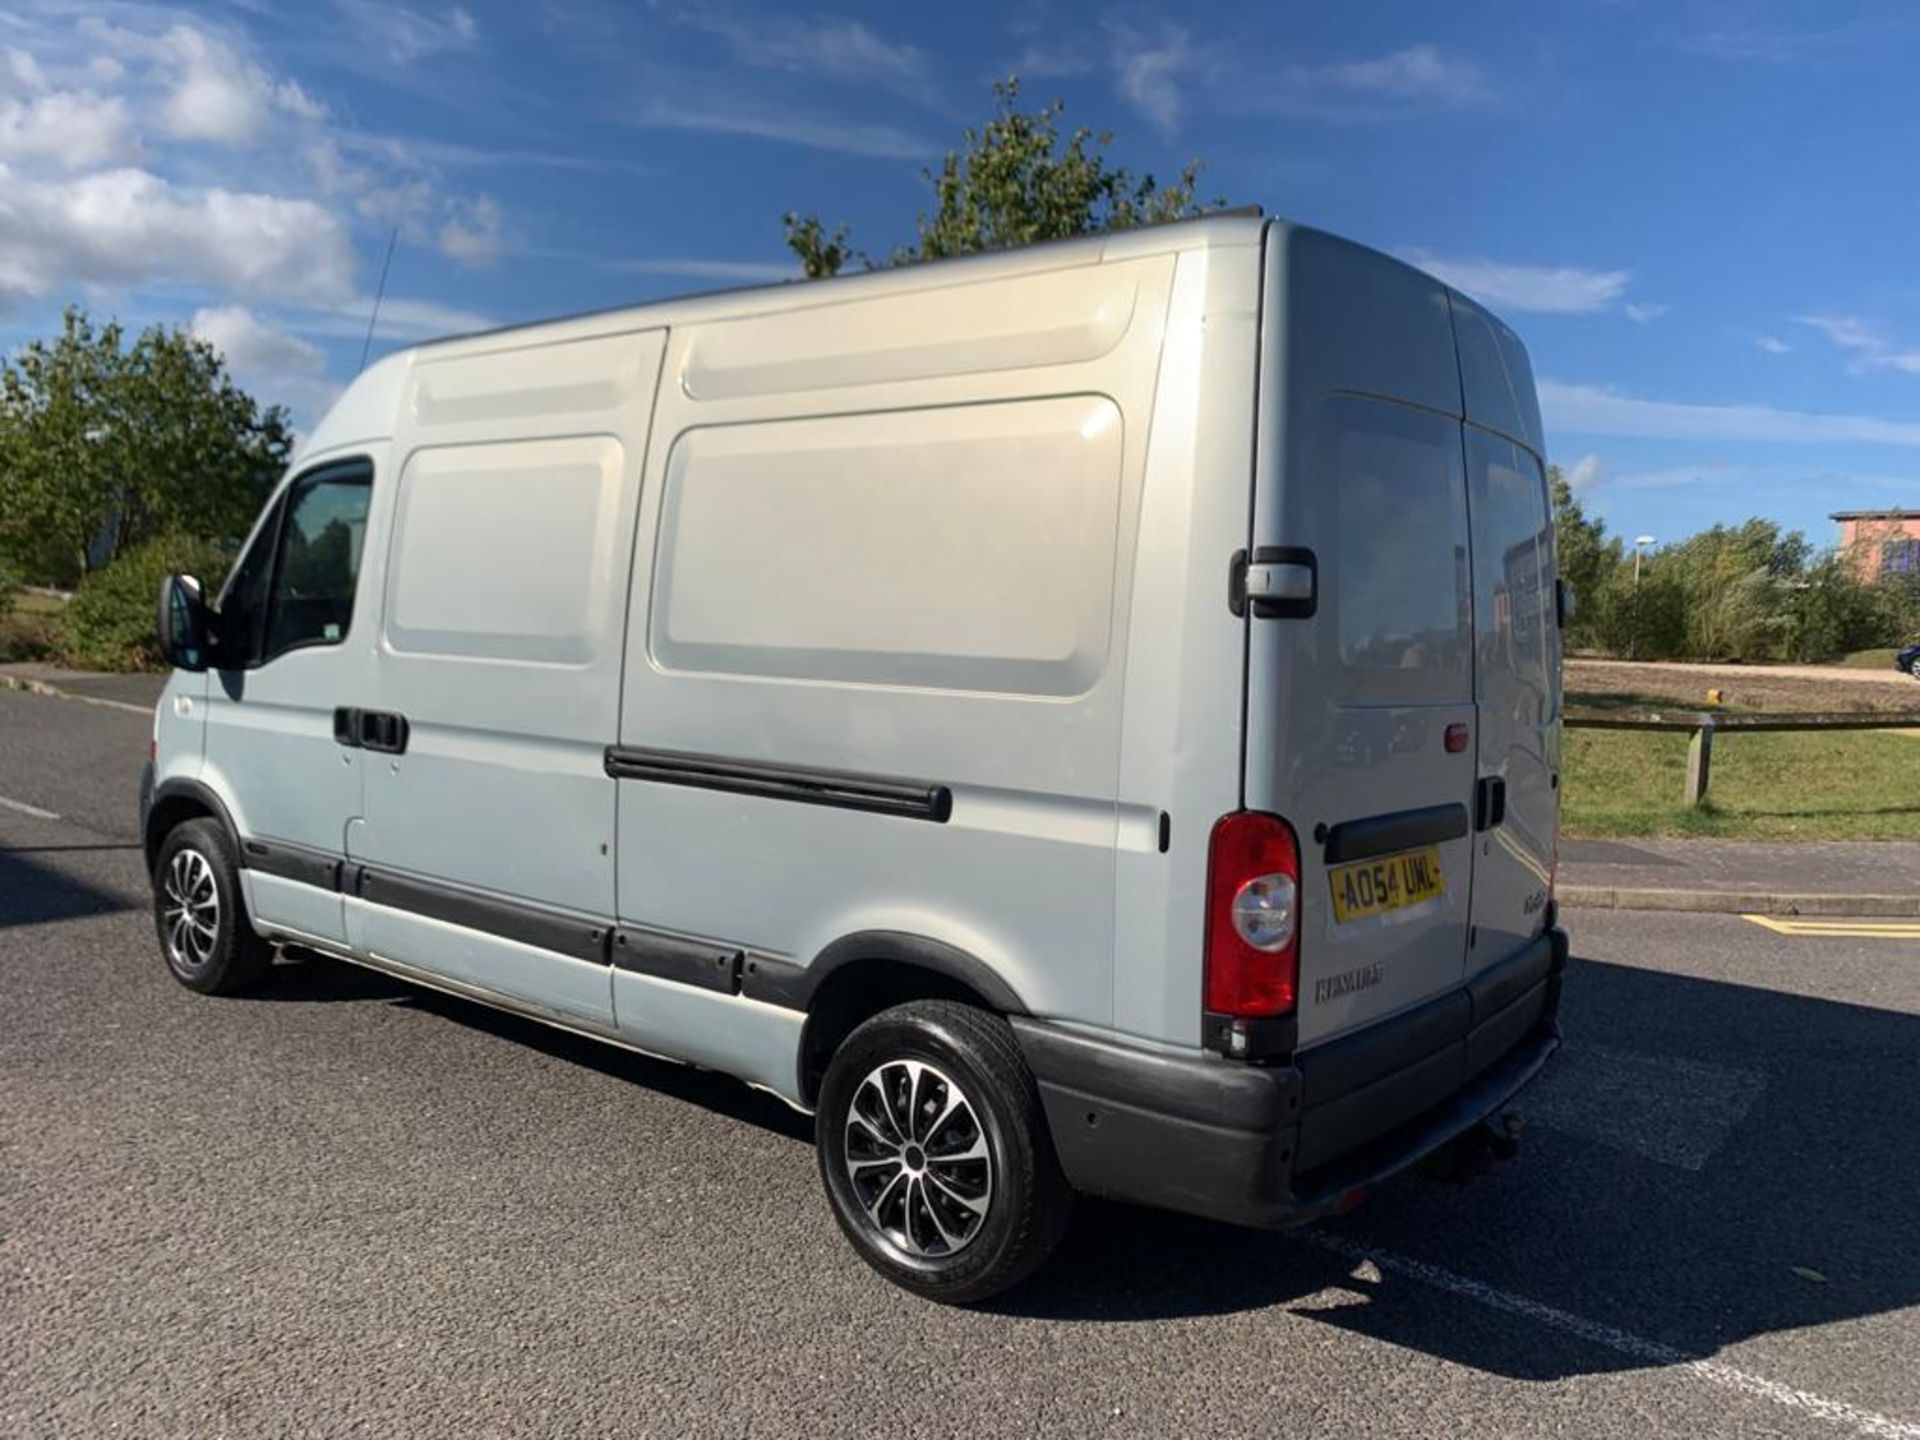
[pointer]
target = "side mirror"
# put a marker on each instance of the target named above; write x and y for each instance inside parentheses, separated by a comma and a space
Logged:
(183, 623)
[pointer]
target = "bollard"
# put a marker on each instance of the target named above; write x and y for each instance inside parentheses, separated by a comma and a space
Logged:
(1699, 763)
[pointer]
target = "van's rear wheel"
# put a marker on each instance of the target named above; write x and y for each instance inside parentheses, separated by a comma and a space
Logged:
(935, 1153)
(205, 937)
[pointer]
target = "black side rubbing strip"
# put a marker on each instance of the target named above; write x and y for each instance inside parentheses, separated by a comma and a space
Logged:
(1402, 830)
(292, 862)
(707, 964)
(845, 790)
(580, 938)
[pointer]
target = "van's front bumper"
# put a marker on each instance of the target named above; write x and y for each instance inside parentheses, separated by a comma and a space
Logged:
(1278, 1145)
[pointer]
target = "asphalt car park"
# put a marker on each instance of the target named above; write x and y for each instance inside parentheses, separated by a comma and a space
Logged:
(350, 1206)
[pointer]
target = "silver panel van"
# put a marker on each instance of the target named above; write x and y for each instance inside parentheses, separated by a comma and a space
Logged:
(1082, 719)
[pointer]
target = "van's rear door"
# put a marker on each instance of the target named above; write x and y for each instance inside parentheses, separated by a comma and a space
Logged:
(1360, 715)
(1516, 640)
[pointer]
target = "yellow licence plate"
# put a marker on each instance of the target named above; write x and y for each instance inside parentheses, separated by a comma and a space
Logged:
(1373, 887)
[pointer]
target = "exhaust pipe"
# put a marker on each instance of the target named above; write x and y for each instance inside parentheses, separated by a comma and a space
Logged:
(1474, 1152)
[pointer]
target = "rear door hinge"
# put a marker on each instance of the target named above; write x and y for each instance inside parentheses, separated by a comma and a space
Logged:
(1280, 582)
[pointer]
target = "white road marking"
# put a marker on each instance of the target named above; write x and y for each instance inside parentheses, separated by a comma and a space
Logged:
(1664, 1108)
(1652, 1352)
(54, 692)
(26, 809)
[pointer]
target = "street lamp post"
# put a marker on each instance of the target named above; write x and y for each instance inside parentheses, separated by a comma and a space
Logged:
(1640, 543)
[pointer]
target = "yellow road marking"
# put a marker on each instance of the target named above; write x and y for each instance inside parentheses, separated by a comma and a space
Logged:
(1841, 929)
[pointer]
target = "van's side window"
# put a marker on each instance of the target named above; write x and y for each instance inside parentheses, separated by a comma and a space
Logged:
(243, 604)
(311, 599)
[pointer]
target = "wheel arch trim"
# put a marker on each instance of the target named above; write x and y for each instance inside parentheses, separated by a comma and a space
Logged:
(201, 797)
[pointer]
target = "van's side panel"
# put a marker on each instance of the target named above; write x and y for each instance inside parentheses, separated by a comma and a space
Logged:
(1348, 710)
(502, 598)
(1517, 635)
(906, 559)
(1180, 745)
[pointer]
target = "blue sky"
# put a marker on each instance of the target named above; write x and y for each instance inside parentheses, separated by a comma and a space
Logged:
(1700, 214)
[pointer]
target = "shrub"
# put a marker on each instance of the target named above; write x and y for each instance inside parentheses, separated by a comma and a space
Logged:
(110, 623)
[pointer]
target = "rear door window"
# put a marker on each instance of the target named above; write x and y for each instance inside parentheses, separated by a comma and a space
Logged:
(1399, 580)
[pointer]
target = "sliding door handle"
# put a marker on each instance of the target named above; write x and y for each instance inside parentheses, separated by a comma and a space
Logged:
(380, 730)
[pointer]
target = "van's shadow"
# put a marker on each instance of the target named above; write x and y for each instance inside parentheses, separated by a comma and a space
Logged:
(305, 976)
(1678, 1216)
(1623, 1218)
(36, 892)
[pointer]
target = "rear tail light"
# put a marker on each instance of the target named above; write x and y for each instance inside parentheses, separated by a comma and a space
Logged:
(1253, 916)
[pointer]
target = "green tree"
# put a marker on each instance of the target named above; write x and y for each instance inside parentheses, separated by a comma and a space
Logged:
(1014, 182)
(104, 446)
(1587, 558)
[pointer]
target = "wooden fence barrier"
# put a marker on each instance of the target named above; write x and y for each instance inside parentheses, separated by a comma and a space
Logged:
(1703, 725)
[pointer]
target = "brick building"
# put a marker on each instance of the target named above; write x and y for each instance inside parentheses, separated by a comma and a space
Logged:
(1881, 542)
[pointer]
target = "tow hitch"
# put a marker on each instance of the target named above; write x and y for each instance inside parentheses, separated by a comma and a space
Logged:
(1473, 1153)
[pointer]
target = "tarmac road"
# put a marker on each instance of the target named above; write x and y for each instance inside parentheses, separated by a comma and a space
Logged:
(354, 1208)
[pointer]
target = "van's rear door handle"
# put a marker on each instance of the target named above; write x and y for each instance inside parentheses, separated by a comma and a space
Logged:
(1489, 802)
(1277, 582)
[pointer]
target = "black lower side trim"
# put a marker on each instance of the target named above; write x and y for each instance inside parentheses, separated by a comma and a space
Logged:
(841, 789)
(292, 862)
(709, 965)
(516, 920)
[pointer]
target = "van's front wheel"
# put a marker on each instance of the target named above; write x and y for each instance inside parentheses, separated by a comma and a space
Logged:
(205, 937)
(935, 1153)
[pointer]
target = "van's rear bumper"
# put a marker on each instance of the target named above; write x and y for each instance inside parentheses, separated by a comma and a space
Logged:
(1278, 1145)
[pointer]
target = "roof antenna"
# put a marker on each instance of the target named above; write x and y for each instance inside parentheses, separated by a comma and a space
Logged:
(378, 295)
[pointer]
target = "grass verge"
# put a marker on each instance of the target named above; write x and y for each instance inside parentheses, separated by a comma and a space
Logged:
(1844, 785)
(30, 627)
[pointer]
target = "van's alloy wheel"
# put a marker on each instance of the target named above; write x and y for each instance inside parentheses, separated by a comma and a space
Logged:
(918, 1159)
(189, 910)
(205, 937)
(935, 1153)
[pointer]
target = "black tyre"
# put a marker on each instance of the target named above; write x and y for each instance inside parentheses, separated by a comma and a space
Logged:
(935, 1152)
(205, 936)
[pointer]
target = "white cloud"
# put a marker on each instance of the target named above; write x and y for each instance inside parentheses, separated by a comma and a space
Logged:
(218, 96)
(1780, 47)
(746, 272)
(1584, 473)
(1416, 79)
(1597, 410)
(1149, 73)
(1536, 289)
(886, 142)
(406, 33)
(400, 319)
(129, 226)
(1772, 344)
(475, 232)
(71, 129)
(274, 365)
(1644, 312)
(1871, 349)
(1420, 73)
(840, 49)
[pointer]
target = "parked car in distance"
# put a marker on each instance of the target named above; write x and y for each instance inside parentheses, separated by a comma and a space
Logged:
(1907, 659)
(1082, 719)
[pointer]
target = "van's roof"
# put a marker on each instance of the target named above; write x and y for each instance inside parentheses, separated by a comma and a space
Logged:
(365, 411)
